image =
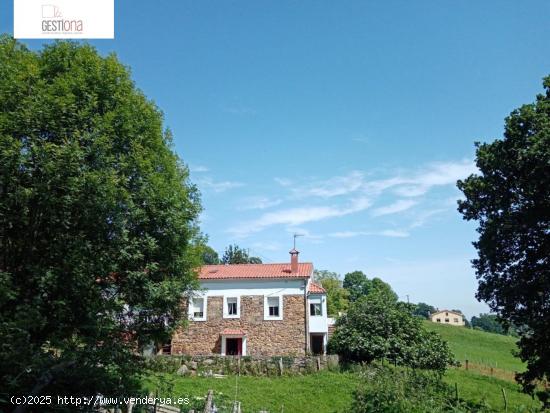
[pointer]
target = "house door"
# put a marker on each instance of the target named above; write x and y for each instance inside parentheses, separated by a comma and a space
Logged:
(317, 343)
(233, 346)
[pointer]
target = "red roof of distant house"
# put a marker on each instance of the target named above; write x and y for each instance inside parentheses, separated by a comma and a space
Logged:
(315, 288)
(233, 332)
(267, 271)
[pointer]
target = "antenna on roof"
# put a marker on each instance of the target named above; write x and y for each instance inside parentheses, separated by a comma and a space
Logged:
(296, 236)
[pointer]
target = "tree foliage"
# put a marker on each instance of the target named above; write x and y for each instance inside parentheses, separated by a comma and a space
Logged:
(510, 199)
(236, 255)
(209, 256)
(97, 223)
(359, 285)
(337, 296)
(377, 329)
(355, 282)
(423, 310)
(489, 323)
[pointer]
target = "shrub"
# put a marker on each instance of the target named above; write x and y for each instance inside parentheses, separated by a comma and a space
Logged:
(395, 390)
(377, 329)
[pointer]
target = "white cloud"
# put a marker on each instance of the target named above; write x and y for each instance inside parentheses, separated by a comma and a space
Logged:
(355, 192)
(283, 181)
(218, 186)
(299, 216)
(386, 233)
(394, 233)
(424, 216)
(435, 174)
(339, 185)
(198, 168)
(398, 206)
(267, 246)
(258, 202)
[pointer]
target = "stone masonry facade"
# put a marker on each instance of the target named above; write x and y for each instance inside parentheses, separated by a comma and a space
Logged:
(264, 337)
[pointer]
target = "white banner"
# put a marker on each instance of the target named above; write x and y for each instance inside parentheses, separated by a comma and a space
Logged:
(63, 19)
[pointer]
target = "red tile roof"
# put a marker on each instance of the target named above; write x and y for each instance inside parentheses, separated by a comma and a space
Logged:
(315, 288)
(267, 271)
(233, 332)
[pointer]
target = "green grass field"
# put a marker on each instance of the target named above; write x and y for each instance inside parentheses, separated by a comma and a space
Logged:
(330, 392)
(315, 393)
(484, 351)
(479, 347)
(478, 387)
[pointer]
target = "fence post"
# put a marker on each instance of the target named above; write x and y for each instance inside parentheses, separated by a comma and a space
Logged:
(466, 364)
(505, 399)
(281, 366)
(318, 363)
(208, 405)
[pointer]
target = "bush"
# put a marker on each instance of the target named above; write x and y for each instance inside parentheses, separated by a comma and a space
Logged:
(377, 329)
(394, 390)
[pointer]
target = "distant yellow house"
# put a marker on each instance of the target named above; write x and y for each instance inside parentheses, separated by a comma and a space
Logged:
(448, 317)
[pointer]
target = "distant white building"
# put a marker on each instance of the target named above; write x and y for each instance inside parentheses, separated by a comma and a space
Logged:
(448, 317)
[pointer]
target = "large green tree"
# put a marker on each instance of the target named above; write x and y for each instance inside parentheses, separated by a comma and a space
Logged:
(355, 283)
(510, 199)
(359, 285)
(97, 223)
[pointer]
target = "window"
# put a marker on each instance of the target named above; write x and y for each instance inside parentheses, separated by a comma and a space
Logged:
(231, 307)
(315, 309)
(315, 306)
(197, 308)
(273, 308)
(456, 320)
(273, 304)
(438, 320)
(446, 320)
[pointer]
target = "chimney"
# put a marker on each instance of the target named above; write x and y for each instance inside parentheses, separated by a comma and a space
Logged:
(294, 260)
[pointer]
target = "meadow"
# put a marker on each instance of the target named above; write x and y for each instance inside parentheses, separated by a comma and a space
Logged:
(491, 370)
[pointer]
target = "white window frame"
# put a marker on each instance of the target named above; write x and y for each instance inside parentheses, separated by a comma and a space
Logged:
(205, 306)
(266, 307)
(226, 309)
(316, 301)
(224, 344)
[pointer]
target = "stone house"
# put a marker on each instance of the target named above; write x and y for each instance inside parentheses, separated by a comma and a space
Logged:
(448, 317)
(256, 310)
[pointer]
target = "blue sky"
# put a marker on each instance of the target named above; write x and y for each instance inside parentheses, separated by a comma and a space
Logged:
(348, 122)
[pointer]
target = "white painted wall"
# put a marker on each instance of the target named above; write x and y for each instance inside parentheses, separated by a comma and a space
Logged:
(237, 288)
(318, 324)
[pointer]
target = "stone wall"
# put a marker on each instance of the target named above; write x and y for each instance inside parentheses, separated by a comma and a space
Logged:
(263, 337)
(245, 365)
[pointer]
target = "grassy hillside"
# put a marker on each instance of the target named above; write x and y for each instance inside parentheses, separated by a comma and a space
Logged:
(492, 366)
(479, 347)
